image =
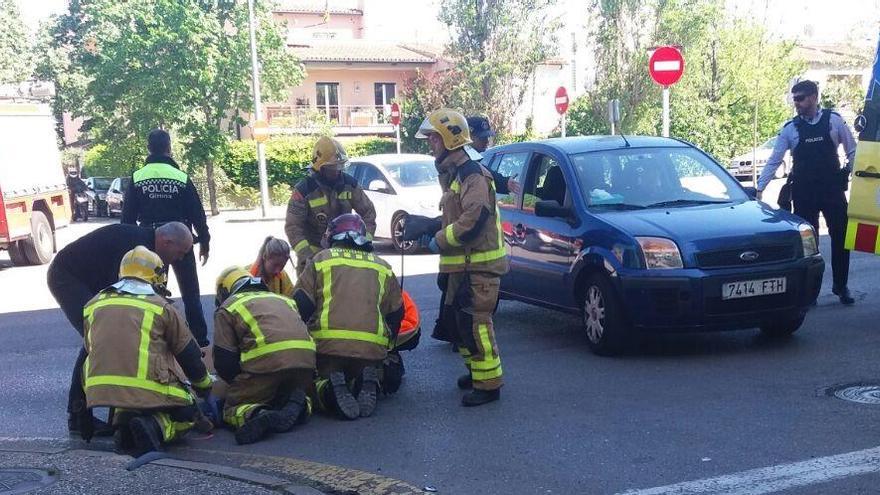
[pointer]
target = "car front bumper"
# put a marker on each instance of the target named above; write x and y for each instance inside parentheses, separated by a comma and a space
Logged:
(690, 300)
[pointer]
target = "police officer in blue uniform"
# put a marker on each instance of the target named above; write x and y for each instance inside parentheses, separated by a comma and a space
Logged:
(818, 183)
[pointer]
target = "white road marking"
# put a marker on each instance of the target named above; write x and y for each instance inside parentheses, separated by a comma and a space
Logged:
(667, 65)
(776, 478)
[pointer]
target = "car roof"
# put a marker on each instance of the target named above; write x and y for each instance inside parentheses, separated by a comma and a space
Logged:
(585, 144)
(392, 158)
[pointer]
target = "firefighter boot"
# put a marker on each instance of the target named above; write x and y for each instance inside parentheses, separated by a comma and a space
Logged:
(256, 427)
(369, 391)
(465, 382)
(346, 404)
(479, 397)
(291, 413)
(123, 441)
(146, 435)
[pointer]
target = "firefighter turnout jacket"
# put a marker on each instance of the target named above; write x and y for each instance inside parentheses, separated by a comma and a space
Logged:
(471, 238)
(263, 332)
(314, 203)
(135, 344)
(352, 302)
(159, 193)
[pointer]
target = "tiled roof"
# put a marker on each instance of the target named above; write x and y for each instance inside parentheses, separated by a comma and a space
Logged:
(358, 51)
(832, 55)
(314, 7)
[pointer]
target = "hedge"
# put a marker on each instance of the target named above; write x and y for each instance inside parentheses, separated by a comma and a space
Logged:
(288, 158)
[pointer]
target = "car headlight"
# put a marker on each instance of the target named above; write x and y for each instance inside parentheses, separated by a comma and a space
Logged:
(808, 239)
(102, 197)
(660, 252)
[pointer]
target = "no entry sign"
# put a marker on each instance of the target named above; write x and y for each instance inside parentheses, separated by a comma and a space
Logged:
(395, 114)
(666, 65)
(561, 101)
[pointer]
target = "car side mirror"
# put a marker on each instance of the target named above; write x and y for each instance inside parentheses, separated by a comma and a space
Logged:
(379, 185)
(550, 208)
(752, 192)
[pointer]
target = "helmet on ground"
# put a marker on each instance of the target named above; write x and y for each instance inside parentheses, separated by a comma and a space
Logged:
(232, 280)
(142, 264)
(349, 226)
(328, 152)
(451, 125)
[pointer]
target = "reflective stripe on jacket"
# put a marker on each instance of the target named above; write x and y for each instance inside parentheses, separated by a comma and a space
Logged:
(471, 237)
(353, 291)
(132, 342)
(266, 330)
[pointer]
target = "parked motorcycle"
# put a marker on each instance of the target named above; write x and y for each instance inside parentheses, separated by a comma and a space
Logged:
(82, 199)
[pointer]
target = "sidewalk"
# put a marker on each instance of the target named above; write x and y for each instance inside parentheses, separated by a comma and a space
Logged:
(42, 467)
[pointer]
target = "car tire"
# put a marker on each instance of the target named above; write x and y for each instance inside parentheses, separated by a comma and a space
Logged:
(783, 327)
(16, 254)
(605, 325)
(397, 223)
(40, 247)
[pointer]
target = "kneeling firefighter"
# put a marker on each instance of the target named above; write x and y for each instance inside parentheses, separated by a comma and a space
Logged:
(264, 351)
(351, 300)
(134, 337)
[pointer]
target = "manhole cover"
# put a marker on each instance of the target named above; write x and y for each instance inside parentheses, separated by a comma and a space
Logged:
(863, 394)
(21, 480)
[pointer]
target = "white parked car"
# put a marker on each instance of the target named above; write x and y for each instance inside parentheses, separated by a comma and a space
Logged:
(398, 185)
(741, 166)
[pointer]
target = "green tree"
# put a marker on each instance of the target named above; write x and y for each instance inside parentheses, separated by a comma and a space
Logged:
(16, 61)
(496, 46)
(183, 65)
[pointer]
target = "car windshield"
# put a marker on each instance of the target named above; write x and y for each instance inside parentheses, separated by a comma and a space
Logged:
(637, 178)
(102, 182)
(415, 173)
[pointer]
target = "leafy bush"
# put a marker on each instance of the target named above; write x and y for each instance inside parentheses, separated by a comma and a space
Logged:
(287, 158)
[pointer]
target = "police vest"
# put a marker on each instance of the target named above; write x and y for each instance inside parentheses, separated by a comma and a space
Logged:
(160, 181)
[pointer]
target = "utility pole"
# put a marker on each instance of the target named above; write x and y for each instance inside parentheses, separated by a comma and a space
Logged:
(258, 109)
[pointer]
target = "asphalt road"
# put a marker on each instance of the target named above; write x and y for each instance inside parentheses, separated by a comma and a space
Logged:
(675, 409)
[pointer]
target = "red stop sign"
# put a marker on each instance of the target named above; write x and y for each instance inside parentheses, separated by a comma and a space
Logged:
(561, 101)
(395, 114)
(666, 65)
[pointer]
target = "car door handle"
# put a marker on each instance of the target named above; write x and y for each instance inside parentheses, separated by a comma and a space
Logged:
(868, 175)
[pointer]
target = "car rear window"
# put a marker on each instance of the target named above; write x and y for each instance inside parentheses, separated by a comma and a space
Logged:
(653, 177)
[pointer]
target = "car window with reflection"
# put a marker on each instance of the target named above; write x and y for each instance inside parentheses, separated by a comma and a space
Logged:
(653, 177)
(509, 165)
(413, 174)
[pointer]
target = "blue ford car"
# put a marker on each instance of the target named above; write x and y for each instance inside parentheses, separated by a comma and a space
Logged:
(649, 234)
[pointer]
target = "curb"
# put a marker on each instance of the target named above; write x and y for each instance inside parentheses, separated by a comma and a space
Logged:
(251, 220)
(45, 446)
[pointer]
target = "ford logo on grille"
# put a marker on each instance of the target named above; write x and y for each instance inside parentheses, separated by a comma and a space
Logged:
(749, 256)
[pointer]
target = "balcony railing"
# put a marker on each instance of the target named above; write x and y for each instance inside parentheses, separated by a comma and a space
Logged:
(342, 118)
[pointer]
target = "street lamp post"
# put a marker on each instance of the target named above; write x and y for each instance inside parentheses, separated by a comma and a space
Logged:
(258, 110)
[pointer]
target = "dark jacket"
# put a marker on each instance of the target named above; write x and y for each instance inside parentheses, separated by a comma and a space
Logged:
(94, 258)
(160, 193)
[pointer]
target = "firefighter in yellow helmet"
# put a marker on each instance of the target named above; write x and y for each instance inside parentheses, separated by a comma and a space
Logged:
(352, 303)
(134, 337)
(264, 351)
(322, 196)
(472, 252)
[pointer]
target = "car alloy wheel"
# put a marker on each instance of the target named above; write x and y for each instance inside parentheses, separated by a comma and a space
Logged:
(397, 227)
(594, 314)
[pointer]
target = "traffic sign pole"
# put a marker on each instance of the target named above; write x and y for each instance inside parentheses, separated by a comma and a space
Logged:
(397, 128)
(258, 111)
(563, 125)
(395, 121)
(666, 67)
(665, 111)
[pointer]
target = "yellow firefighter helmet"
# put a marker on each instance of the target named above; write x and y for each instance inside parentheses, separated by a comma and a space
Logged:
(230, 281)
(143, 264)
(451, 125)
(328, 153)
